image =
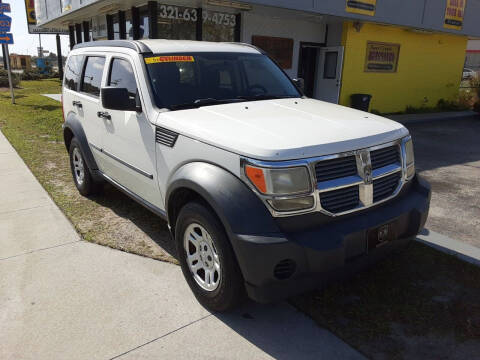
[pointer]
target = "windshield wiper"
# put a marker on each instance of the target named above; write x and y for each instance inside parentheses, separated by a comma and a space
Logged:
(264, 97)
(204, 102)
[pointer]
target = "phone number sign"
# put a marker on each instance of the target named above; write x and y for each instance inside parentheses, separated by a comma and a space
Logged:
(191, 14)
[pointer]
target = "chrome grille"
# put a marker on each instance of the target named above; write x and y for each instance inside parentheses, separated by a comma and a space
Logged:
(336, 168)
(340, 200)
(385, 156)
(385, 186)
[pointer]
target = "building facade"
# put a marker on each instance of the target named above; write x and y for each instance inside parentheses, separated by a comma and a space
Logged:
(403, 53)
(21, 62)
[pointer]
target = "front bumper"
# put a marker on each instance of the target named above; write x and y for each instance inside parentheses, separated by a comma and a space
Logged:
(311, 250)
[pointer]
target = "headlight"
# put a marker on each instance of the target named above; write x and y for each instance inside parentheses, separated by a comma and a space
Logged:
(409, 158)
(284, 181)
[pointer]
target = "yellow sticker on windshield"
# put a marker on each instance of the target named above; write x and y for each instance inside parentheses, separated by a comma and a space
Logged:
(168, 59)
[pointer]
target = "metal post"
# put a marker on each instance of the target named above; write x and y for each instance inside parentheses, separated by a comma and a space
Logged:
(110, 33)
(10, 83)
(4, 54)
(152, 20)
(86, 31)
(59, 57)
(122, 25)
(40, 51)
(71, 36)
(199, 25)
(135, 22)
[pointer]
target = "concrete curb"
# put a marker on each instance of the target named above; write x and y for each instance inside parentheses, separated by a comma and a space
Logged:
(461, 250)
(416, 118)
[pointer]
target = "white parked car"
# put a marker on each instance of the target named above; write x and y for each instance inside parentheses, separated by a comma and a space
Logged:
(469, 74)
(266, 192)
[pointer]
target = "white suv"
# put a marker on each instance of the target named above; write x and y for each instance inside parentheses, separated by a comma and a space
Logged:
(266, 192)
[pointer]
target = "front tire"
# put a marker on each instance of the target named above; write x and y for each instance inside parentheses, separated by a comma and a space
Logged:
(82, 176)
(207, 259)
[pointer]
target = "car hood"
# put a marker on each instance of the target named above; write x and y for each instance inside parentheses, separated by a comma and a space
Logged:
(284, 129)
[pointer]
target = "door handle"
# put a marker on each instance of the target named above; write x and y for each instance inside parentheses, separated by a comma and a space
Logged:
(104, 114)
(77, 103)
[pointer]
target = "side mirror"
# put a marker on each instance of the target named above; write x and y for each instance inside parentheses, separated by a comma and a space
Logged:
(300, 83)
(114, 98)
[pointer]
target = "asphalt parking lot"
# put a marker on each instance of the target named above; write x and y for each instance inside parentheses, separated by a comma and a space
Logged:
(448, 155)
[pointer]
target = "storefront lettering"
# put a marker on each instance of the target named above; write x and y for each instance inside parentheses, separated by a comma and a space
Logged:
(381, 57)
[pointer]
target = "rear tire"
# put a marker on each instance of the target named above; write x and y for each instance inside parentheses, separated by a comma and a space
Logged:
(207, 259)
(82, 176)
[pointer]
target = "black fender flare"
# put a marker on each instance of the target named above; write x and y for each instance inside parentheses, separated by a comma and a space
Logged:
(239, 209)
(75, 126)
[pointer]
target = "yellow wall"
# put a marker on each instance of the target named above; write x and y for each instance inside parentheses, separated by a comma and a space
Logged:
(429, 67)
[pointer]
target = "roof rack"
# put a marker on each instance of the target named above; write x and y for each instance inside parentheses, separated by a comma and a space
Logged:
(138, 46)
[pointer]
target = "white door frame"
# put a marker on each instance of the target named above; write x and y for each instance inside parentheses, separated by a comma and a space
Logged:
(331, 83)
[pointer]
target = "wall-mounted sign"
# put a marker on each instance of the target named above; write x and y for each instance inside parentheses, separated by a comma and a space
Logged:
(363, 7)
(32, 21)
(382, 57)
(280, 49)
(454, 14)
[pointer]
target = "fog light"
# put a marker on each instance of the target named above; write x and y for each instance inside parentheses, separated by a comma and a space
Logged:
(296, 204)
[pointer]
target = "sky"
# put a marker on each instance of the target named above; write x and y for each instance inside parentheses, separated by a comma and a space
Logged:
(25, 43)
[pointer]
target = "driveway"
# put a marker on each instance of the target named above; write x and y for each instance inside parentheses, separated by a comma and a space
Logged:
(448, 155)
(64, 298)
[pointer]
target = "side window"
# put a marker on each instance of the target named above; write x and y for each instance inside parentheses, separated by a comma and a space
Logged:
(92, 76)
(72, 72)
(122, 76)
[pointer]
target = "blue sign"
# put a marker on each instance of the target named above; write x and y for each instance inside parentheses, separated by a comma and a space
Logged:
(6, 38)
(4, 7)
(5, 23)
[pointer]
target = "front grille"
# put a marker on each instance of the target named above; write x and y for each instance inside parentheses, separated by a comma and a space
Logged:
(385, 156)
(385, 186)
(336, 168)
(336, 201)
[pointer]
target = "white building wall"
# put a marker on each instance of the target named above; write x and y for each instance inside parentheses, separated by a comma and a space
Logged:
(282, 23)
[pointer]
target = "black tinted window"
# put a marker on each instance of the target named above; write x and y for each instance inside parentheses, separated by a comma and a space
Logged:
(92, 77)
(184, 79)
(122, 76)
(72, 71)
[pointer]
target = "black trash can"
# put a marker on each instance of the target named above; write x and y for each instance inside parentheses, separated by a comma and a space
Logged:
(361, 101)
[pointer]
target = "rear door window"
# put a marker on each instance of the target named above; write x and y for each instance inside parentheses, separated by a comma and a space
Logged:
(73, 70)
(122, 76)
(92, 75)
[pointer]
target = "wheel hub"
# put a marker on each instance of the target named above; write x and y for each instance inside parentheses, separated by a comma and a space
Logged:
(202, 257)
(78, 167)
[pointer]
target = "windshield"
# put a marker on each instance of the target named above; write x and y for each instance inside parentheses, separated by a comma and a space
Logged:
(190, 80)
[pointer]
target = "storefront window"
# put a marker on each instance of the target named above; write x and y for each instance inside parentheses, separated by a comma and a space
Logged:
(177, 22)
(116, 27)
(128, 24)
(144, 21)
(218, 26)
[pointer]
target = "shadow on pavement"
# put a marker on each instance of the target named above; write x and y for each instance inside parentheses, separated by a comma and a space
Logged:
(446, 142)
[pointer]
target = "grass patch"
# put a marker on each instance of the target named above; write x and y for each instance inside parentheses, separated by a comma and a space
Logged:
(34, 128)
(417, 304)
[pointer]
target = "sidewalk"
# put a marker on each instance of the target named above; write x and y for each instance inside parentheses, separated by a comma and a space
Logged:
(64, 298)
